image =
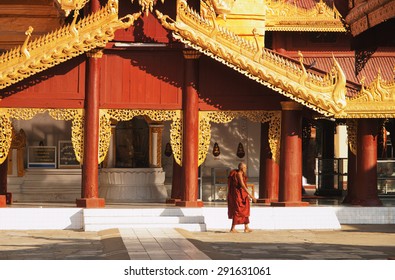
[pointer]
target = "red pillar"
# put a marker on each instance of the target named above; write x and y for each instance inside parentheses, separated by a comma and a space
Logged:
(268, 170)
(90, 171)
(175, 184)
(290, 189)
(190, 107)
(366, 193)
(3, 183)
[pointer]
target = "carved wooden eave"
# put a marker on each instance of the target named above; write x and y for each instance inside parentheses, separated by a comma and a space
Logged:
(323, 93)
(93, 31)
(374, 101)
(147, 5)
(284, 16)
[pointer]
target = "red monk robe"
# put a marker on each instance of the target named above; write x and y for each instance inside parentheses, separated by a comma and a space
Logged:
(238, 200)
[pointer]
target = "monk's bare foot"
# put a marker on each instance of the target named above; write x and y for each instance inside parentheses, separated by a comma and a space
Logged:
(233, 231)
(247, 230)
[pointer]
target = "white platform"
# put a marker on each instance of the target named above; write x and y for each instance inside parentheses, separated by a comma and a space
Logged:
(193, 219)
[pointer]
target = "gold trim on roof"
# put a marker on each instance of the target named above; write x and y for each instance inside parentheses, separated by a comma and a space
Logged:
(374, 101)
(323, 93)
(284, 16)
(63, 44)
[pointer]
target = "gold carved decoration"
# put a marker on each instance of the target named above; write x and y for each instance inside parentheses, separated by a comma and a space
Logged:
(104, 136)
(18, 143)
(352, 130)
(93, 31)
(147, 5)
(69, 5)
(374, 101)
(285, 16)
(205, 117)
(158, 116)
(5, 136)
(74, 115)
(323, 93)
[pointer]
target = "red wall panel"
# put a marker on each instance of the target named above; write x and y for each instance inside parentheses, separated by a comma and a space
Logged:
(142, 79)
(62, 86)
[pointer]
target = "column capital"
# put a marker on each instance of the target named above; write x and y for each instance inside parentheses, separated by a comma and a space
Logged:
(191, 54)
(291, 106)
(95, 53)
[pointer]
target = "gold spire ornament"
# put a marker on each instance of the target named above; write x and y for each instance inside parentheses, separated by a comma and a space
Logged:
(147, 5)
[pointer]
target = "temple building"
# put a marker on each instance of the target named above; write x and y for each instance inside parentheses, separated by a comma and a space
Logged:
(156, 101)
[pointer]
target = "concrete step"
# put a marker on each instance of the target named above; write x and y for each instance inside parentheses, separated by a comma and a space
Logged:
(188, 219)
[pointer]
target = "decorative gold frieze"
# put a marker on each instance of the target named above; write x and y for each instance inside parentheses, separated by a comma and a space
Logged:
(352, 129)
(286, 16)
(5, 136)
(74, 115)
(323, 93)
(147, 5)
(93, 31)
(158, 116)
(205, 117)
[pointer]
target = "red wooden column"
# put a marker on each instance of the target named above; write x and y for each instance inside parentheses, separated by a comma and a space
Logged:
(3, 183)
(366, 193)
(190, 134)
(176, 191)
(90, 168)
(90, 171)
(268, 170)
(290, 189)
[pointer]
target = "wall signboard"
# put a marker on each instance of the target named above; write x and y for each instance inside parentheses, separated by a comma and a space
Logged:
(66, 155)
(41, 157)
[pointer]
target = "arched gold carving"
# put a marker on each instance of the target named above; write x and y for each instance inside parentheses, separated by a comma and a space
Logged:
(74, 115)
(93, 31)
(104, 136)
(352, 130)
(5, 137)
(205, 117)
(159, 116)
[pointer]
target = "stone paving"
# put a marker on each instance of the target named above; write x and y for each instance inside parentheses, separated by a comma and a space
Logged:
(354, 242)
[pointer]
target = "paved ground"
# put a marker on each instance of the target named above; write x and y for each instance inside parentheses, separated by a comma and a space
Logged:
(351, 242)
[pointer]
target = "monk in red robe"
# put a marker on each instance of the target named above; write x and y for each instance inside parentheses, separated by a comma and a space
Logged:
(239, 198)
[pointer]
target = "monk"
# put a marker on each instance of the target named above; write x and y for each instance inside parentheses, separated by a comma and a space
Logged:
(239, 198)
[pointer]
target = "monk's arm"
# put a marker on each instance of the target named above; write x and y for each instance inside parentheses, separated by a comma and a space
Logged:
(240, 178)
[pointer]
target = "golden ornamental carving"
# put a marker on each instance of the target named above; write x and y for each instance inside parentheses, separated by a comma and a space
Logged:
(352, 130)
(286, 16)
(91, 32)
(374, 101)
(95, 53)
(69, 5)
(323, 93)
(205, 117)
(74, 115)
(104, 137)
(5, 137)
(147, 5)
(18, 140)
(158, 116)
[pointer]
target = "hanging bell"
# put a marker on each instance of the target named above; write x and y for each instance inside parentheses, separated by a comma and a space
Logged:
(216, 150)
(240, 150)
(168, 150)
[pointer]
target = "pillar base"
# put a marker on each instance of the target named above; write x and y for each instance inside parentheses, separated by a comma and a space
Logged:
(90, 202)
(189, 203)
(3, 201)
(9, 198)
(289, 204)
(172, 200)
(365, 202)
(266, 201)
